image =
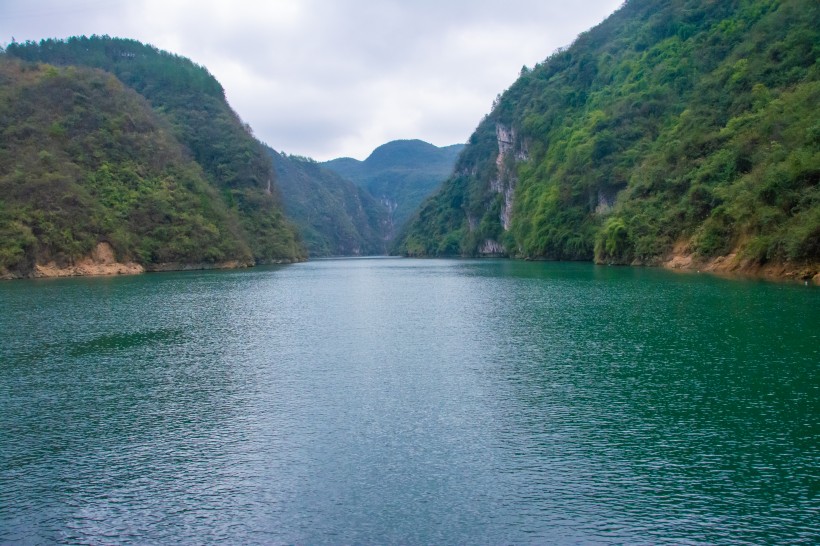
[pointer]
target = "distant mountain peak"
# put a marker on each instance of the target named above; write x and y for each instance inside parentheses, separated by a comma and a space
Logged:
(400, 173)
(407, 153)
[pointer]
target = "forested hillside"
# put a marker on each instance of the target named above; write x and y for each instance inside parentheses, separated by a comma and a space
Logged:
(400, 174)
(96, 131)
(334, 216)
(85, 160)
(674, 128)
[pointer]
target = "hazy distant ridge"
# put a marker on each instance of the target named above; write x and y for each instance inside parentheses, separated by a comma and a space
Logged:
(400, 174)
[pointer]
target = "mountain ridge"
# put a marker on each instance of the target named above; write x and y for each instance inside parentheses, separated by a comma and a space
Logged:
(400, 174)
(219, 207)
(335, 216)
(671, 133)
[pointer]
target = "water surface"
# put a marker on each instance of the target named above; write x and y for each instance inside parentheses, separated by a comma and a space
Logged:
(409, 401)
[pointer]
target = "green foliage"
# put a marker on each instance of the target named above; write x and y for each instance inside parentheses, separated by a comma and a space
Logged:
(401, 174)
(612, 242)
(670, 122)
(143, 149)
(272, 238)
(83, 162)
(335, 217)
(440, 217)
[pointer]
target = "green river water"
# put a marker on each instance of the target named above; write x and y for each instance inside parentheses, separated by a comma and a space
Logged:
(410, 401)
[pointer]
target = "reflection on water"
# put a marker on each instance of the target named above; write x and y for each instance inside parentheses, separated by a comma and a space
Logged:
(409, 401)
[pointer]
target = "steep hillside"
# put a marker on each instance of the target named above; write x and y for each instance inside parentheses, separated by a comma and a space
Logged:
(684, 130)
(85, 160)
(401, 174)
(334, 216)
(193, 103)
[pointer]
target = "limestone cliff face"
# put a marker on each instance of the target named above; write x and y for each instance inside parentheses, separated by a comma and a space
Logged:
(511, 150)
(504, 182)
(390, 206)
(492, 248)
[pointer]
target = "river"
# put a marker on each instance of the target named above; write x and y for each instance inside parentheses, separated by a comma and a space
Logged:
(409, 401)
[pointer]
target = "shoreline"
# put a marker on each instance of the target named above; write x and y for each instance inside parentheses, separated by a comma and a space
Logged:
(728, 267)
(101, 263)
(732, 266)
(50, 271)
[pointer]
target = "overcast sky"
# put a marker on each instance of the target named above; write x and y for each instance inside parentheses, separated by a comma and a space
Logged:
(334, 78)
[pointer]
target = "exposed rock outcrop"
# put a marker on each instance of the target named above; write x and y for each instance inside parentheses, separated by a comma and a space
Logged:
(101, 261)
(505, 180)
(511, 150)
(732, 264)
(492, 248)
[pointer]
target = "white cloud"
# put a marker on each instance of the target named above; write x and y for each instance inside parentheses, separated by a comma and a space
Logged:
(328, 78)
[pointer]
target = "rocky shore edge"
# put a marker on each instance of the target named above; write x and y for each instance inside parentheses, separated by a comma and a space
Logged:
(733, 265)
(102, 262)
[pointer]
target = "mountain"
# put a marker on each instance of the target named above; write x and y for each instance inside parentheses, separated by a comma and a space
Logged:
(85, 160)
(400, 174)
(334, 216)
(144, 138)
(678, 132)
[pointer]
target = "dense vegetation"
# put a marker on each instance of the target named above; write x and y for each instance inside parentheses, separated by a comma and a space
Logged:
(400, 174)
(145, 139)
(334, 216)
(685, 125)
(84, 159)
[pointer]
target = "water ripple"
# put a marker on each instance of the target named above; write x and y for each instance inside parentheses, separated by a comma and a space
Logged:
(405, 401)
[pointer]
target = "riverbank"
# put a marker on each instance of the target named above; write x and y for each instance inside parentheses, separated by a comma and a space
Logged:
(102, 262)
(733, 265)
